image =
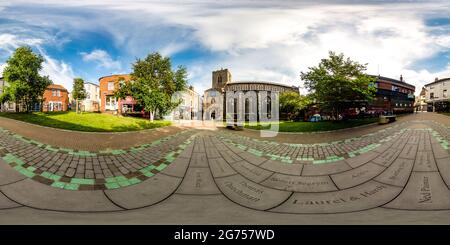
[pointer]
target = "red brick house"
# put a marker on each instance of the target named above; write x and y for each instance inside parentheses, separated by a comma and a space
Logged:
(108, 103)
(56, 98)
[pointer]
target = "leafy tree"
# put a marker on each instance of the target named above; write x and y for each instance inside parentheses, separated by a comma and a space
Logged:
(338, 83)
(79, 92)
(26, 86)
(292, 103)
(153, 84)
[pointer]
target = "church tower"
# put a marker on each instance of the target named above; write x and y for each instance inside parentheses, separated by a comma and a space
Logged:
(220, 78)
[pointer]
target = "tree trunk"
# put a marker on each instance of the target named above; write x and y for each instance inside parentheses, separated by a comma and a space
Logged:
(151, 116)
(76, 109)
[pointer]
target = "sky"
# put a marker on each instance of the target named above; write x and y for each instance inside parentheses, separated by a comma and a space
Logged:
(262, 40)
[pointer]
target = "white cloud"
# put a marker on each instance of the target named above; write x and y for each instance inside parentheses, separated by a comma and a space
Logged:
(2, 67)
(58, 71)
(264, 40)
(102, 58)
(9, 42)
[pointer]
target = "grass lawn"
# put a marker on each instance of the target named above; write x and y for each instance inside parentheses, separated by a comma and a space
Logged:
(313, 126)
(90, 122)
(446, 113)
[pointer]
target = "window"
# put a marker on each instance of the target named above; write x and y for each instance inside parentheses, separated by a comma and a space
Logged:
(269, 107)
(431, 95)
(444, 93)
(53, 92)
(88, 96)
(110, 85)
(58, 93)
(219, 80)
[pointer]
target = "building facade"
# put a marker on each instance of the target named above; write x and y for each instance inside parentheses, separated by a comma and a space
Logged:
(92, 101)
(55, 98)
(394, 96)
(190, 107)
(109, 103)
(421, 101)
(7, 106)
(254, 97)
(437, 95)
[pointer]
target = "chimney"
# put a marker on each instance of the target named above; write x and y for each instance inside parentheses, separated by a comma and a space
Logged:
(436, 79)
(401, 78)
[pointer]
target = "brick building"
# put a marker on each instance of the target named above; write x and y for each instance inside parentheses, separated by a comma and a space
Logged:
(56, 98)
(108, 103)
(392, 95)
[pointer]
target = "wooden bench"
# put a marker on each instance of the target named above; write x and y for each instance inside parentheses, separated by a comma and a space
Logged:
(387, 119)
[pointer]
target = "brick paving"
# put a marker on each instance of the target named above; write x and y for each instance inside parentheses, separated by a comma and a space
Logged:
(401, 166)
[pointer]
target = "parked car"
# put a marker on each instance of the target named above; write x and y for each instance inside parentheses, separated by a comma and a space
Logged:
(315, 118)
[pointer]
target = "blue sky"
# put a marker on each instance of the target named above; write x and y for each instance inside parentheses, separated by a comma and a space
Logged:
(257, 40)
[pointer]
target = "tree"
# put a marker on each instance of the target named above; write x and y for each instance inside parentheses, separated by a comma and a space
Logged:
(25, 85)
(292, 103)
(79, 92)
(153, 84)
(338, 83)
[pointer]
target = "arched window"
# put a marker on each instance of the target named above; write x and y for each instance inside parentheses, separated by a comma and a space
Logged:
(219, 80)
(213, 101)
(269, 107)
(247, 109)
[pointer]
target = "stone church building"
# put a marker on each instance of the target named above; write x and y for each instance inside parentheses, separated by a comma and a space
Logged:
(255, 99)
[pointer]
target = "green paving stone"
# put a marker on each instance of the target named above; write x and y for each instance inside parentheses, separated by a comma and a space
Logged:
(149, 174)
(110, 180)
(112, 185)
(124, 183)
(161, 167)
(27, 173)
(143, 170)
(134, 181)
(72, 187)
(46, 174)
(82, 181)
(31, 168)
(58, 184)
(121, 178)
(54, 177)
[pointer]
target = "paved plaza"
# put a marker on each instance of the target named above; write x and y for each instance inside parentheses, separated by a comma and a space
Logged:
(395, 173)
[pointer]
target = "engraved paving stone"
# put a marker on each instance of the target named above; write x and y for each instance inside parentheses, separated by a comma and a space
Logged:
(252, 158)
(361, 159)
(387, 157)
(300, 183)
(151, 191)
(280, 167)
(177, 168)
(199, 159)
(398, 173)
(37, 195)
(425, 161)
(424, 191)
(444, 169)
(439, 152)
(325, 169)
(368, 195)
(249, 194)
(220, 167)
(357, 175)
(8, 174)
(198, 181)
(251, 171)
(230, 156)
(409, 151)
(5, 203)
